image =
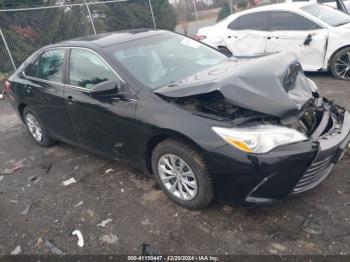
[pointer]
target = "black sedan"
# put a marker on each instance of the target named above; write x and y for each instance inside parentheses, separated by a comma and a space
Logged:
(243, 130)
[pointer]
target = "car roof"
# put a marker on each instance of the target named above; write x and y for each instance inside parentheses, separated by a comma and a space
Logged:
(112, 38)
(281, 6)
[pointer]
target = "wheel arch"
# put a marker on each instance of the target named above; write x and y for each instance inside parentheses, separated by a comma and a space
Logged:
(334, 53)
(163, 135)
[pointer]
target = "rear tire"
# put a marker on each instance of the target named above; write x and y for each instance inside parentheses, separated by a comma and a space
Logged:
(182, 174)
(36, 128)
(340, 64)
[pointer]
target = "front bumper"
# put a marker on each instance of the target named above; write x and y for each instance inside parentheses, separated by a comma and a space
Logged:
(246, 179)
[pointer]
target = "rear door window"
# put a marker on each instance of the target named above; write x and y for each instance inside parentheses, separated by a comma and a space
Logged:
(254, 21)
(49, 66)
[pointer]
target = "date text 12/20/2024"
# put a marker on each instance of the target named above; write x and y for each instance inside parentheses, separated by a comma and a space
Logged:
(173, 258)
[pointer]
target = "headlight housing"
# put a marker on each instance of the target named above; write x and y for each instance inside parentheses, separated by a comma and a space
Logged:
(259, 139)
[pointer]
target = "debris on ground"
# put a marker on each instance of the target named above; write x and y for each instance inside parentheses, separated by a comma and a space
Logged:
(76, 168)
(279, 247)
(90, 212)
(313, 225)
(146, 222)
(80, 237)
(1, 178)
(10, 171)
(47, 167)
(32, 178)
(1, 96)
(110, 239)
(39, 242)
(109, 170)
(13, 201)
(53, 249)
(105, 222)
(147, 250)
(26, 210)
(69, 181)
(79, 204)
(16, 251)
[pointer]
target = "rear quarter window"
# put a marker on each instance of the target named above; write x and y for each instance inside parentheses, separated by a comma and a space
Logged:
(48, 66)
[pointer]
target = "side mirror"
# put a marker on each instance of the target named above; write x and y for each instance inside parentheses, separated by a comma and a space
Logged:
(105, 88)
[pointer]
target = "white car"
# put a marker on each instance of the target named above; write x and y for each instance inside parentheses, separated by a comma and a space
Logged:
(318, 34)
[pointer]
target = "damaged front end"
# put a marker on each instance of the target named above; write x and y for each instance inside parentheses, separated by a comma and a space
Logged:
(276, 116)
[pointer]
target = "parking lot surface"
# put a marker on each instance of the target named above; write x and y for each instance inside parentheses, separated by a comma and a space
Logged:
(118, 208)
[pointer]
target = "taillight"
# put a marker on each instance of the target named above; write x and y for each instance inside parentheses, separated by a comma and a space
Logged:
(200, 37)
(7, 86)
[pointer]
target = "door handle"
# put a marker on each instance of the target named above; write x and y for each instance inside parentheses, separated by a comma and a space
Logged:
(70, 99)
(28, 89)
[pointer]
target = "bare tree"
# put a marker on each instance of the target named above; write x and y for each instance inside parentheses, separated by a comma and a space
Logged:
(184, 10)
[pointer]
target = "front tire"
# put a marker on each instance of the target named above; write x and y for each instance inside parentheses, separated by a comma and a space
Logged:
(340, 64)
(36, 128)
(182, 174)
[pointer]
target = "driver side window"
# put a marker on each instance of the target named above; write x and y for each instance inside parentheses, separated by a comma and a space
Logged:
(86, 69)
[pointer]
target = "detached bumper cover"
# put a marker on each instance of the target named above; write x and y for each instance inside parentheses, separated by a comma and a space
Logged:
(252, 179)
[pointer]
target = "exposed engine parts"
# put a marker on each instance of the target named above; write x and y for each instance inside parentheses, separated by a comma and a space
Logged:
(311, 120)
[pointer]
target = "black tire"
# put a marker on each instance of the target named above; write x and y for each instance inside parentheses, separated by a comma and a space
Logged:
(205, 182)
(46, 140)
(333, 63)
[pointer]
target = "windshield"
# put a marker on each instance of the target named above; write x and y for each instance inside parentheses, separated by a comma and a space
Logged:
(162, 59)
(327, 14)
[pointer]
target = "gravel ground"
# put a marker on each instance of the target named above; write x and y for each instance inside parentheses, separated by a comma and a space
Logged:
(318, 222)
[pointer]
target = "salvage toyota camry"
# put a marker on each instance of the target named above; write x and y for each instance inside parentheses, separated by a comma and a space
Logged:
(245, 131)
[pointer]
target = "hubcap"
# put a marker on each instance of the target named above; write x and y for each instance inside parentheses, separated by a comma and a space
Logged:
(177, 177)
(342, 66)
(34, 127)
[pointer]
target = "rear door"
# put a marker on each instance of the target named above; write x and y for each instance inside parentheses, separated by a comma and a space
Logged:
(44, 92)
(104, 123)
(248, 34)
(290, 31)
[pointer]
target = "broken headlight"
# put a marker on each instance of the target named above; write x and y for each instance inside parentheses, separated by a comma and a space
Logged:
(259, 139)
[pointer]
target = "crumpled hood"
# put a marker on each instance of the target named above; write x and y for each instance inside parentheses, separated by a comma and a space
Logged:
(255, 83)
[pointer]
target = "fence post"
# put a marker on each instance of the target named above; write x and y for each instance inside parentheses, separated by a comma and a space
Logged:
(92, 21)
(195, 11)
(8, 50)
(231, 6)
(154, 21)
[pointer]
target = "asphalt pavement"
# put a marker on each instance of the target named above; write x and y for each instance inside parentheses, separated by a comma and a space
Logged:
(117, 208)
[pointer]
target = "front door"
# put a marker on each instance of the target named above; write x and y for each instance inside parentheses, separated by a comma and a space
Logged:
(101, 122)
(293, 32)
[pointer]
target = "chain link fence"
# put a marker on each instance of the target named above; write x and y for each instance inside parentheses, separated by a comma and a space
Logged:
(27, 25)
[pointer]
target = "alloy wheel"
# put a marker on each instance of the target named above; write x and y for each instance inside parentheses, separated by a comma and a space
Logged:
(34, 127)
(177, 177)
(342, 66)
